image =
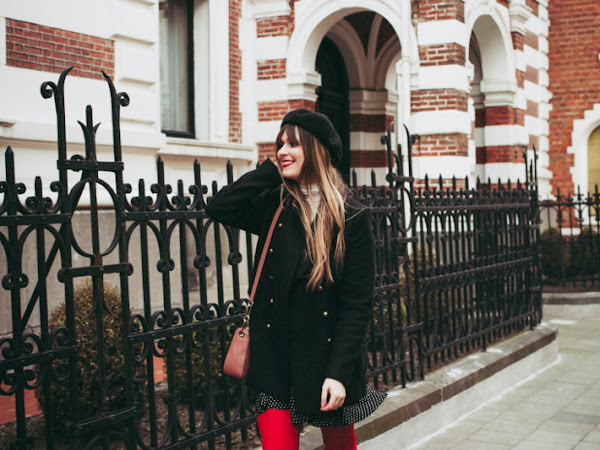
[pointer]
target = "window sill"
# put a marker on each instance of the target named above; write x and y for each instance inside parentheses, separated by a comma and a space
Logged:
(203, 149)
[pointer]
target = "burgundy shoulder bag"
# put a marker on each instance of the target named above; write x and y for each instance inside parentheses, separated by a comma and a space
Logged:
(237, 360)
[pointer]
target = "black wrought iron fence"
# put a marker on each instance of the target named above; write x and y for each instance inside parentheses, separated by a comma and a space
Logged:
(570, 240)
(457, 267)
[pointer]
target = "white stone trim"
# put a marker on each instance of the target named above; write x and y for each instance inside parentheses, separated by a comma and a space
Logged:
(543, 45)
(314, 18)
(493, 135)
(271, 90)
(271, 47)
(532, 57)
(446, 166)
(202, 149)
(440, 122)
(39, 135)
(303, 85)
(504, 171)
(538, 26)
(269, 8)
(219, 70)
(521, 61)
(248, 86)
(536, 126)
(363, 175)
(535, 92)
(121, 20)
(519, 14)
(2, 41)
(490, 21)
(441, 32)
(582, 129)
(266, 131)
(443, 77)
(366, 140)
(80, 16)
(498, 92)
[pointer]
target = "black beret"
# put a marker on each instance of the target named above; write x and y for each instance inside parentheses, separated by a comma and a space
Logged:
(319, 126)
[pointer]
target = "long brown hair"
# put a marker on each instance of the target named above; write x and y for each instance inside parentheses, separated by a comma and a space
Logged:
(317, 169)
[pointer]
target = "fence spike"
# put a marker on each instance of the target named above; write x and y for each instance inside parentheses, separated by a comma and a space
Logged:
(229, 169)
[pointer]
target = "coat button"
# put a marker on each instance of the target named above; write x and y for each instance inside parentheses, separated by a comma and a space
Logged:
(268, 326)
(329, 340)
(325, 313)
(279, 224)
(320, 288)
(270, 277)
(271, 301)
(270, 250)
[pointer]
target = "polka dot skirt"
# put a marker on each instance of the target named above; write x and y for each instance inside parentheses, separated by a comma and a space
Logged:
(338, 418)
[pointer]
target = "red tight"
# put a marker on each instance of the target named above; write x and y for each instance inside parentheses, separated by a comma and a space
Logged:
(278, 433)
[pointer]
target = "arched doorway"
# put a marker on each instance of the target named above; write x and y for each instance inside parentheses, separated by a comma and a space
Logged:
(332, 96)
(492, 96)
(594, 161)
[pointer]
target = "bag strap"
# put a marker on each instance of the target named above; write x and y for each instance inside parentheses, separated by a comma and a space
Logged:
(261, 263)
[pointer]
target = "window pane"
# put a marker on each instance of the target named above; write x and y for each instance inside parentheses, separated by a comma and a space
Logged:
(175, 83)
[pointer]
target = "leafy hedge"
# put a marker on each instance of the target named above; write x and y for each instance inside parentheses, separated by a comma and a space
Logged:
(87, 360)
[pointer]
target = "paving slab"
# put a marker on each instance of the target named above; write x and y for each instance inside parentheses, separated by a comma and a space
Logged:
(559, 408)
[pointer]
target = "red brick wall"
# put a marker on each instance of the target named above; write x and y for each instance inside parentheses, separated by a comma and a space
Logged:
(374, 123)
(533, 4)
(499, 154)
(235, 71)
(518, 40)
(574, 74)
(440, 10)
(266, 150)
(503, 115)
(270, 69)
(38, 47)
(438, 99)
(435, 55)
(275, 110)
(532, 40)
(441, 145)
(368, 158)
(273, 26)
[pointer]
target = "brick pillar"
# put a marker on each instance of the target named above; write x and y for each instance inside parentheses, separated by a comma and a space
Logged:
(439, 104)
(37, 47)
(277, 91)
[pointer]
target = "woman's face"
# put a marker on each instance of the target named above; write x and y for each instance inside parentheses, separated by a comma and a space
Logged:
(291, 158)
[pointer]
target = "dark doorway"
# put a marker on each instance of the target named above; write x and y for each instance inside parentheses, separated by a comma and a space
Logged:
(332, 96)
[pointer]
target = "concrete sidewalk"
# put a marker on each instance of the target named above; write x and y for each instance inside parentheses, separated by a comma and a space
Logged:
(558, 408)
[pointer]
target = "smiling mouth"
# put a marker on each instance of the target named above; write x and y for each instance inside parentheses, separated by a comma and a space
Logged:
(287, 163)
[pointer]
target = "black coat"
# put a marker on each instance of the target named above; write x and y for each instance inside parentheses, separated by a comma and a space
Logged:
(299, 338)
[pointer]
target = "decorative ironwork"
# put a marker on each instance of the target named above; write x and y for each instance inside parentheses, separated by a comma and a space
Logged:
(457, 267)
(570, 240)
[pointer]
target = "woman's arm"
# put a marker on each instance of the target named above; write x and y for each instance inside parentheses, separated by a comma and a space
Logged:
(354, 302)
(243, 203)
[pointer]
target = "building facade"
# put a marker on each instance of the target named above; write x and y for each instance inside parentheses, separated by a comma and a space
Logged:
(211, 79)
(574, 54)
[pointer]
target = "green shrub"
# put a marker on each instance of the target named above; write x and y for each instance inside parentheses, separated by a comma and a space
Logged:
(585, 253)
(555, 253)
(87, 360)
(220, 384)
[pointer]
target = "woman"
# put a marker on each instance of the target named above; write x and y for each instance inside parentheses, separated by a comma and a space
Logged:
(313, 301)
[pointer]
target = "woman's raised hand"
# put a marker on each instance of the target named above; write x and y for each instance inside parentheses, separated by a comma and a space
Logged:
(333, 395)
